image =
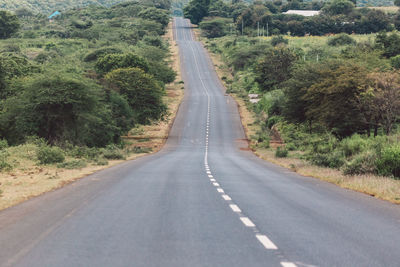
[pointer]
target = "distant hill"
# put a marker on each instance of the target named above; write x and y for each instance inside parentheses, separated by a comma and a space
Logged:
(49, 6)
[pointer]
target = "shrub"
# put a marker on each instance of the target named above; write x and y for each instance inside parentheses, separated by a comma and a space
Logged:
(341, 39)
(271, 121)
(353, 145)
(281, 153)
(361, 163)
(278, 40)
(395, 62)
(101, 161)
(84, 152)
(331, 159)
(49, 155)
(389, 161)
(139, 150)
(3, 144)
(4, 165)
(74, 164)
(96, 54)
(113, 152)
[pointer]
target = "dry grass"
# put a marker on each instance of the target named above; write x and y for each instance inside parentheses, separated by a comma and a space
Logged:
(379, 187)
(27, 179)
(386, 9)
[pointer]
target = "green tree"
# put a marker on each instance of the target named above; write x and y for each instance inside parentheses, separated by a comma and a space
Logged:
(332, 99)
(155, 14)
(196, 10)
(338, 7)
(215, 27)
(142, 92)
(9, 24)
(59, 108)
(274, 68)
(111, 62)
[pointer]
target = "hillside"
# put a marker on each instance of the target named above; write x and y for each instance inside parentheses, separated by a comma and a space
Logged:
(48, 6)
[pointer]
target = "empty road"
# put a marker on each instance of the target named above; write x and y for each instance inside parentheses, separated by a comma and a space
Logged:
(201, 201)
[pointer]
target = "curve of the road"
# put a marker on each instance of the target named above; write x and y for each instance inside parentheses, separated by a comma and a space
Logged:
(201, 201)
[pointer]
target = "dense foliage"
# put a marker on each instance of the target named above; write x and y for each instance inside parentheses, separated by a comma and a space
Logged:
(48, 6)
(335, 100)
(266, 18)
(86, 77)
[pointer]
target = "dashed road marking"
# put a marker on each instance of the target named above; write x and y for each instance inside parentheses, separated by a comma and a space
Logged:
(210, 176)
(226, 197)
(235, 208)
(212, 180)
(216, 184)
(246, 221)
(288, 264)
(266, 242)
(220, 190)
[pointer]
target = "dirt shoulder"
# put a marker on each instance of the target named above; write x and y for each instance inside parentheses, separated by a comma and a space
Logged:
(28, 179)
(380, 187)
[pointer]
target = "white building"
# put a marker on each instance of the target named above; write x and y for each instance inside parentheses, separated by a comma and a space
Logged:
(305, 13)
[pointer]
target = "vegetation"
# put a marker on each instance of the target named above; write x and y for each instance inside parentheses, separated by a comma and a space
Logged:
(31, 7)
(81, 81)
(334, 104)
(265, 18)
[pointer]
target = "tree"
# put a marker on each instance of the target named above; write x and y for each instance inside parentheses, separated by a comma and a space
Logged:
(382, 99)
(59, 108)
(274, 68)
(332, 98)
(214, 27)
(196, 10)
(338, 7)
(142, 92)
(111, 62)
(390, 44)
(155, 14)
(9, 24)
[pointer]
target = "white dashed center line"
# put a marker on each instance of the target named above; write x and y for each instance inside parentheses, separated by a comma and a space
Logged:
(226, 197)
(235, 208)
(288, 264)
(220, 190)
(216, 184)
(246, 221)
(266, 242)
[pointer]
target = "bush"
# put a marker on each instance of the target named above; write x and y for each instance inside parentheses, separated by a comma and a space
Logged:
(278, 40)
(49, 155)
(3, 144)
(341, 39)
(113, 152)
(389, 161)
(331, 159)
(96, 54)
(362, 163)
(84, 152)
(353, 145)
(281, 153)
(101, 162)
(271, 121)
(395, 62)
(74, 164)
(4, 165)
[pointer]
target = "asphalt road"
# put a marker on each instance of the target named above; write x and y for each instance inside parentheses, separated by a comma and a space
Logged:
(201, 201)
